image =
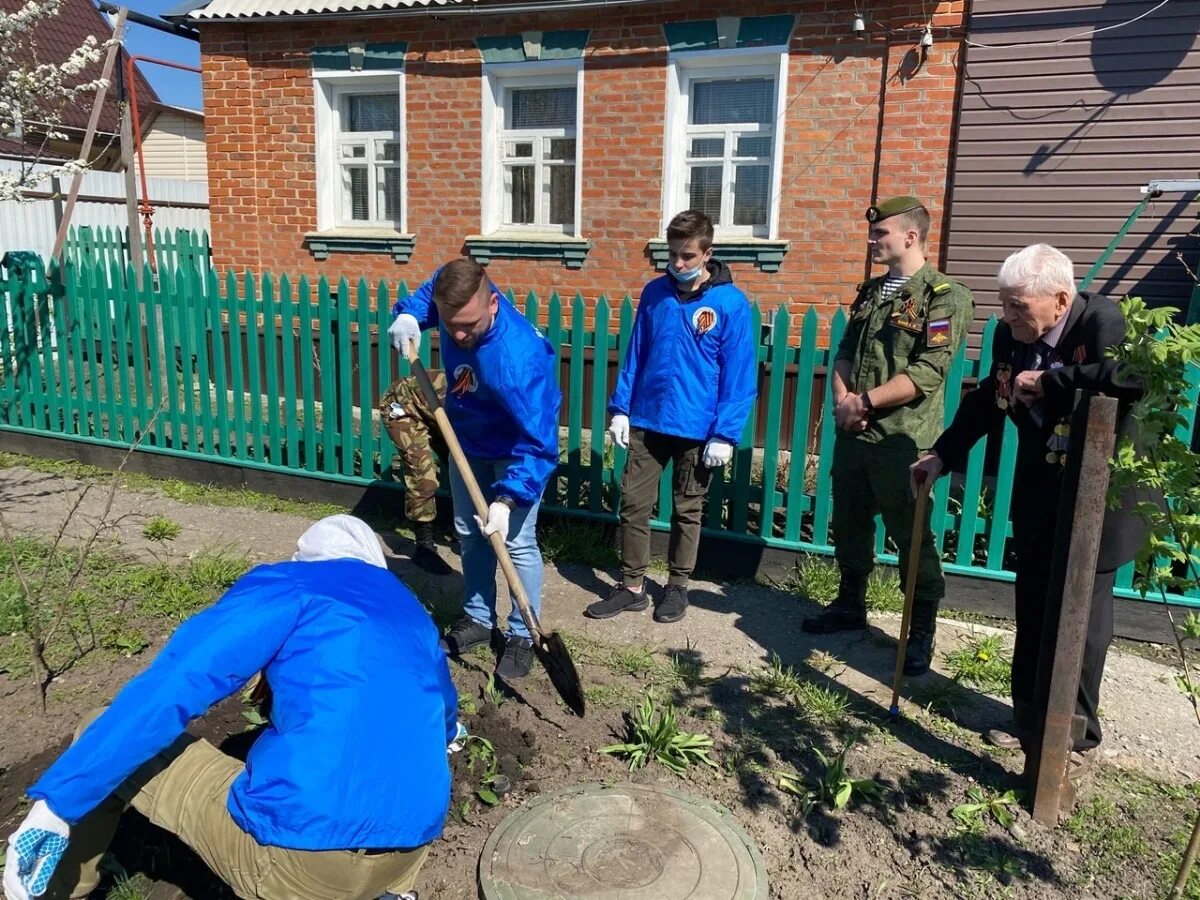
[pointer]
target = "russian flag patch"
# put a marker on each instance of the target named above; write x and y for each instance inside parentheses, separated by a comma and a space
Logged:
(938, 332)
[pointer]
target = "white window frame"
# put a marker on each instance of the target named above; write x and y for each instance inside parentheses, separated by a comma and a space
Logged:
(498, 80)
(328, 89)
(683, 68)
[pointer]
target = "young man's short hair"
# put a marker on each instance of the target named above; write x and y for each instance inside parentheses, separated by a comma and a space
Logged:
(690, 224)
(457, 283)
(916, 219)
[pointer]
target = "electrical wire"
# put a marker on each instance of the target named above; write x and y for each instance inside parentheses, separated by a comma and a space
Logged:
(1070, 37)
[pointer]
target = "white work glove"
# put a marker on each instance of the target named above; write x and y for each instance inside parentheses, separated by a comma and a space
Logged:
(716, 453)
(460, 739)
(34, 849)
(497, 520)
(405, 332)
(619, 429)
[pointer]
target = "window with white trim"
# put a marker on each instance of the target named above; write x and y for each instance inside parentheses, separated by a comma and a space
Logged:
(723, 139)
(360, 152)
(531, 148)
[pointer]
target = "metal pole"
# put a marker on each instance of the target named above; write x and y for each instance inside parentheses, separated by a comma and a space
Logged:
(1087, 480)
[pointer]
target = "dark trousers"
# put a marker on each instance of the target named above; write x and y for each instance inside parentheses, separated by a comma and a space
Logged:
(649, 453)
(1034, 521)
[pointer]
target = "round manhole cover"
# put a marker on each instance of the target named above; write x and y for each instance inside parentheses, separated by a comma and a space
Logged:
(621, 842)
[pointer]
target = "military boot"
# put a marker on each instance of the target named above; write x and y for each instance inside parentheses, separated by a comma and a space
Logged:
(847, 612)
(425, 556)
(918, 655)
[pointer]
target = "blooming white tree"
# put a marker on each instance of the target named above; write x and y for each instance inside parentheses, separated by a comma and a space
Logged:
(34, 91)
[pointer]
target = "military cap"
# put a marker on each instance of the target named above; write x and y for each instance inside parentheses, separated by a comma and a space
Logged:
(892, 207)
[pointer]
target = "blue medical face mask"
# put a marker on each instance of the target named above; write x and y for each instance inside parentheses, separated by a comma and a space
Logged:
(684, 276)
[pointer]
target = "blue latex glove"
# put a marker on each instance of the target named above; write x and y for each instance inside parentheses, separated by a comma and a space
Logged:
(34, 850)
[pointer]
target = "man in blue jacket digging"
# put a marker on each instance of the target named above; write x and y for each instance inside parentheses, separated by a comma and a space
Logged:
(683, 395)
(502, 400)
(340, 795)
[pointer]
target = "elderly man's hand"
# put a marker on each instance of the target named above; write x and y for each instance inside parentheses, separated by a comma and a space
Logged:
(1028, 386)
(924, 472)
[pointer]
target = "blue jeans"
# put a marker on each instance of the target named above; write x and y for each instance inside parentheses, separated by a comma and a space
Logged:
(478, 559)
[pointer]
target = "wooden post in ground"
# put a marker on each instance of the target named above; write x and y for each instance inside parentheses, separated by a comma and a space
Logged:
(1082, 506)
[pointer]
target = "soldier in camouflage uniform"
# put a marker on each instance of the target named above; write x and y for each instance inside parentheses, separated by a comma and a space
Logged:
(412, 428)
(904, 330)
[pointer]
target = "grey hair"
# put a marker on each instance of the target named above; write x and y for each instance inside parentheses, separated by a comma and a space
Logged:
(1037, 270)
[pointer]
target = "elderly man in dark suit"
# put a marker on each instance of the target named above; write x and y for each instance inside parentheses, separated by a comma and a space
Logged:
(1051, 342)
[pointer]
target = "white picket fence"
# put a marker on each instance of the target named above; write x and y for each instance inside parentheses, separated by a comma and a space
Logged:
(32, 224)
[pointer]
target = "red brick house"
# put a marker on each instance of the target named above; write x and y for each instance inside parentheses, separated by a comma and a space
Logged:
(553, 140)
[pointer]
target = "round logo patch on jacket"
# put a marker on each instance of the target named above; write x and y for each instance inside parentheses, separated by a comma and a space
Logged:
(464, 380)
(704, 319)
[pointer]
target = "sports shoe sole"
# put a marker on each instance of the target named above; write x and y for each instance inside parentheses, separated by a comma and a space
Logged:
(643, 604)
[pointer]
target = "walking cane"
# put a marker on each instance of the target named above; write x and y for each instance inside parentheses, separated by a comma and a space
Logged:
(549, 647)
(910, 588)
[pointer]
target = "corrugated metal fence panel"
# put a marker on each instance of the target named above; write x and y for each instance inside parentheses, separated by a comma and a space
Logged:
(1055, 141)
(31, 225)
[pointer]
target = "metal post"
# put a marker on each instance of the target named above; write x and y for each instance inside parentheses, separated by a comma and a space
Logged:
(1083, 503)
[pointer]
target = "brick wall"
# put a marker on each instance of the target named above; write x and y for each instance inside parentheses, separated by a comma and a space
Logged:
(865, 120)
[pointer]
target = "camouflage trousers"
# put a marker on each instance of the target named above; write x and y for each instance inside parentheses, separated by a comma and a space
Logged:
(410, 424)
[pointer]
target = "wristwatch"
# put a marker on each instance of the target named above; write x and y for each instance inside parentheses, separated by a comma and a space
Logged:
(507, 501)
(867, 404)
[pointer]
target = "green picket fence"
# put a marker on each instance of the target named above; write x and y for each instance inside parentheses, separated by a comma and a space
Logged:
(173, 247)
(285, 375)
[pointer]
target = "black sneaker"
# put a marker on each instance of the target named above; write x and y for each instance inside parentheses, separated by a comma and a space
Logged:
(673, 605)
(620, 599)
(466, 635)
(517, 659)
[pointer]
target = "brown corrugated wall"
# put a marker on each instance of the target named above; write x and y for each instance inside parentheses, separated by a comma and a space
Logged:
(1055, 141)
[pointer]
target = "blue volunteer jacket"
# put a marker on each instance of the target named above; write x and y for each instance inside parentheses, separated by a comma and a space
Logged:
(501, 395)
(355, 753)
(690, 369)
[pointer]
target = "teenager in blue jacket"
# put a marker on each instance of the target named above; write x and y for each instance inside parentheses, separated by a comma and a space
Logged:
(502, 400)
(683, 395)
(341, 794)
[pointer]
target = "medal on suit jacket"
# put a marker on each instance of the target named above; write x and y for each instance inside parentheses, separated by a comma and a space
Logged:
(1059, 441)
(1003, 385)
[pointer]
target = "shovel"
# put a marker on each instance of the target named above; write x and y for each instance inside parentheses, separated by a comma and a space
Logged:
(910, 588)
(548, 646)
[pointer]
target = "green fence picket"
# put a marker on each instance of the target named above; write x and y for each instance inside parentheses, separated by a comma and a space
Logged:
(88, 276)
(226, 440)
(123, 299)
(743, 455)
(181, 303)
(328, 364)
(76, 300)
(824, 491)
(798, 501)
(778, 358)
(952, 389)
(575, 408)
(308, 390)
(288, 401)
(270, 396)
(197, 309)
(599, 403)
(970, 523)
(366, 396)
(343, 380)
(173, 356)
(254, 398)
(237, 372)
(385, 362)
(554, 334)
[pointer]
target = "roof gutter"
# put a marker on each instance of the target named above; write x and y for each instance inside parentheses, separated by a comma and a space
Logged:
(431, 10)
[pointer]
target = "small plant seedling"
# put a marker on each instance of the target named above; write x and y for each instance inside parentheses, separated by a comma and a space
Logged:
(824, 662)
(815, 578)
(161, 530)
(254, 717)
(884, 593)
(776, 679)
(822, 705)
(655, 737)
(634, 660)
(791, 783)
(467, 706)
(982, 805)
(835, 787)
(492, 693)
(982, 663)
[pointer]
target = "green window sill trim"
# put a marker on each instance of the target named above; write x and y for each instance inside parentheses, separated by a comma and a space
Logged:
(321, 243)
(569, 251)
(766, 255)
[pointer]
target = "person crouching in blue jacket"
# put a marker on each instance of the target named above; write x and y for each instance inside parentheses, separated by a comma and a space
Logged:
(343, 791)
(683, 395)
(502, 400)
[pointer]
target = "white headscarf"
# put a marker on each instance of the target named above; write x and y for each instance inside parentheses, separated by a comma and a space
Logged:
(340, 537)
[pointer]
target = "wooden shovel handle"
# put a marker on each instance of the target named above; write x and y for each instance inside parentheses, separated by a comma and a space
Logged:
(481, 505)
